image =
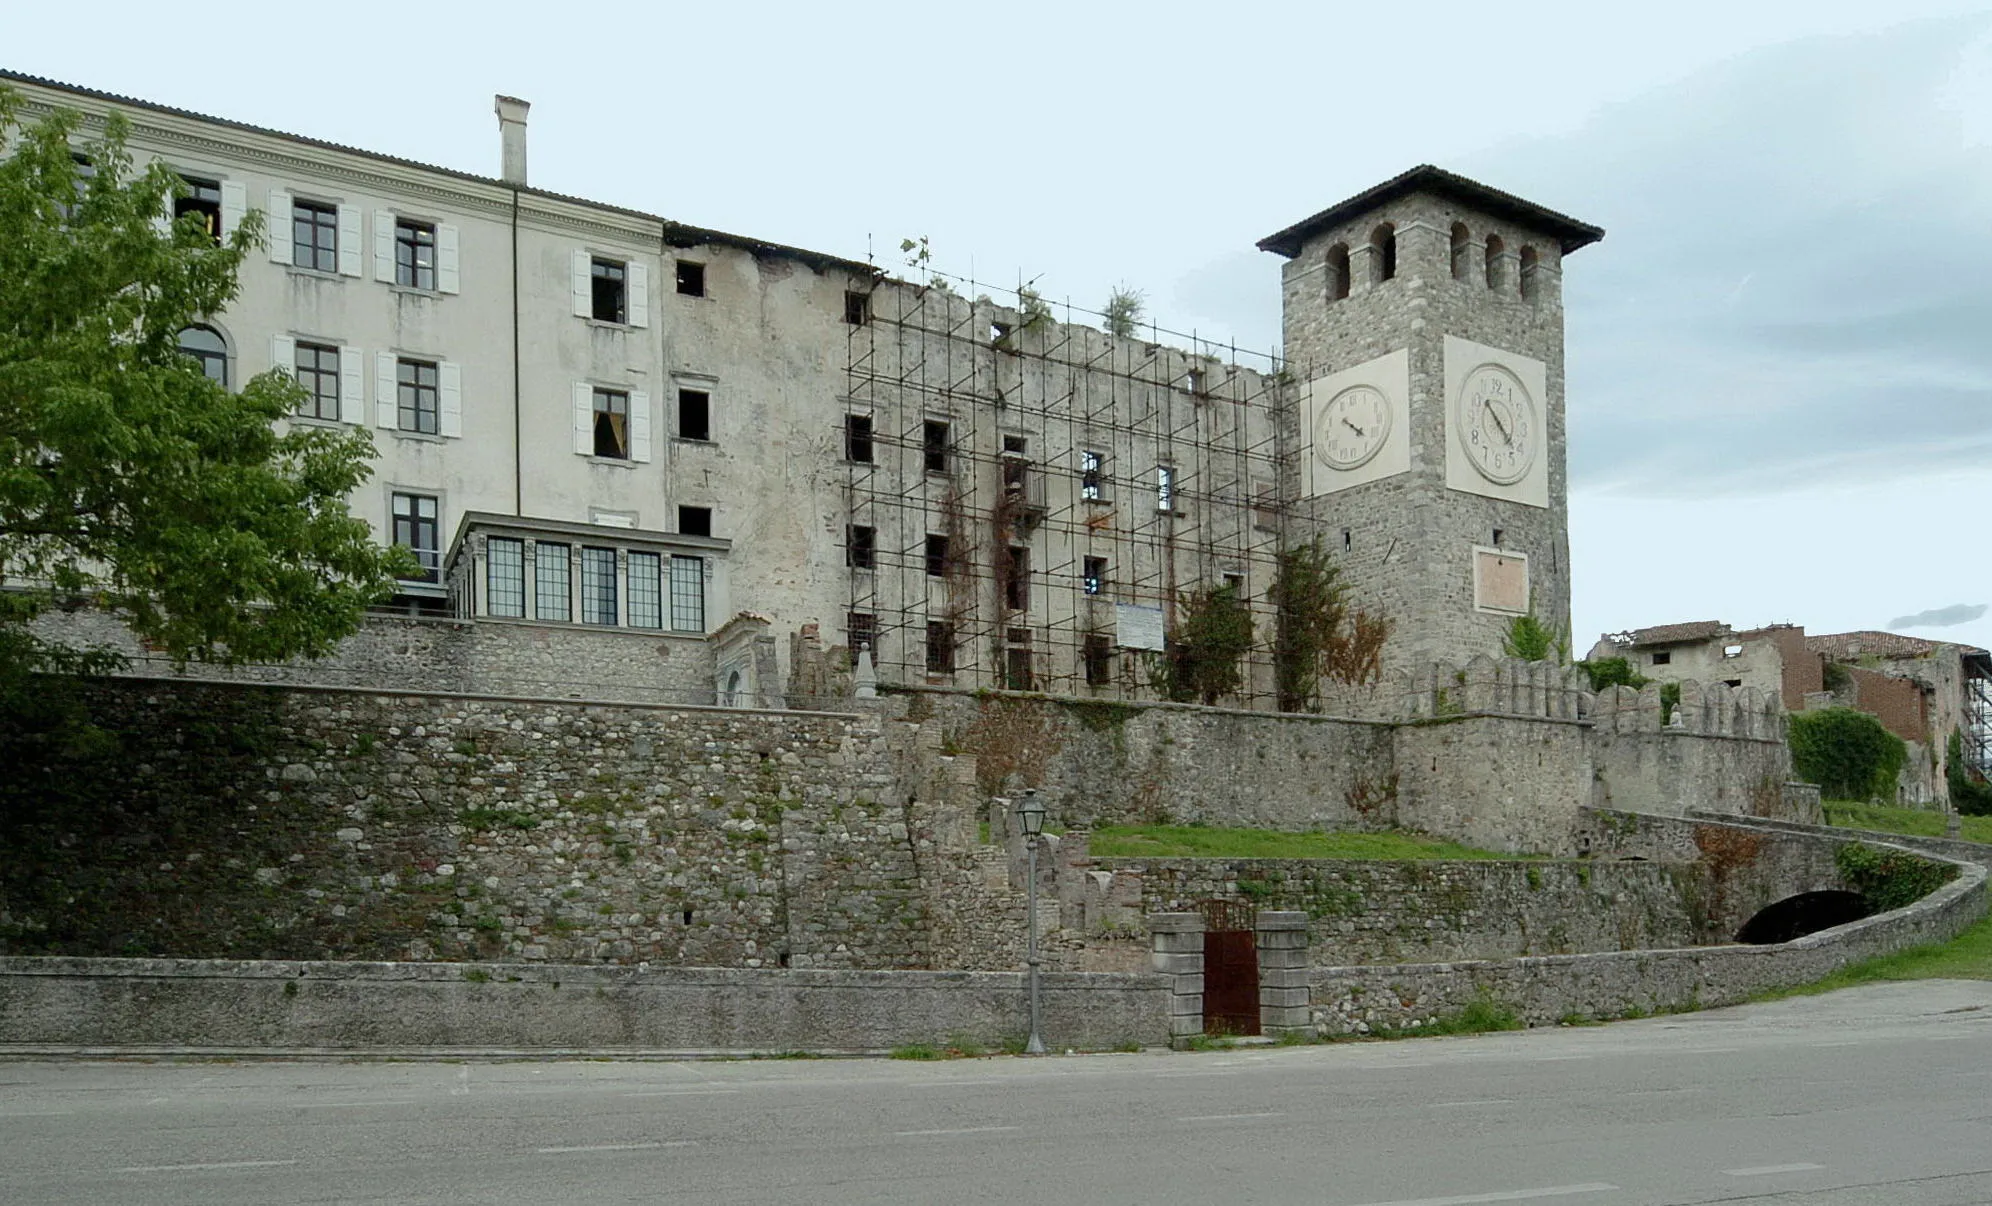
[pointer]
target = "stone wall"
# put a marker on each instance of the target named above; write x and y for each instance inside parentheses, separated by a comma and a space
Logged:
(1719, 750)
(1744, 868)
(136, 1005)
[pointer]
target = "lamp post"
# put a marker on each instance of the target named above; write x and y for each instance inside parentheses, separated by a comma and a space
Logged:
(1030, 818)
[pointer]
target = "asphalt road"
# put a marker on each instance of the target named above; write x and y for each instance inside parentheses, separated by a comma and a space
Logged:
(1878, 1095)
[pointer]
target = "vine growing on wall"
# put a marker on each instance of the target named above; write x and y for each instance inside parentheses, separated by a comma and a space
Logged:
(1212, 635)
(1309, 603)
(1847, 753)
(1969, 793)
(1889, 879)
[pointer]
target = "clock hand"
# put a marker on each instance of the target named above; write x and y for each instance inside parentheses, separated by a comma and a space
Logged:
(1353, 427)
(1499, 426)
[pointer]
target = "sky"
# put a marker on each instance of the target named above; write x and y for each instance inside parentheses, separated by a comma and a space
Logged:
(1779, 359)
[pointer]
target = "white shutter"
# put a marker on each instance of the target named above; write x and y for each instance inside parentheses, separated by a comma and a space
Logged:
(234, 203)
(277, 227)
(639, 426)
(349, 240)
(283, 354)
(387, 395)
(584, 301)
(162, 222)
(446, 259)
(639, 294)
(383, 246)
(449, 398)
(584, 419)
(352, 386)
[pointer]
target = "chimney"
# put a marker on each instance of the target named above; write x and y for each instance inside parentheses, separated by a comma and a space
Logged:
(512, 138)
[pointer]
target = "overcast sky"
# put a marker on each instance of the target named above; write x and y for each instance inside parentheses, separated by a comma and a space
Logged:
(1780, 358)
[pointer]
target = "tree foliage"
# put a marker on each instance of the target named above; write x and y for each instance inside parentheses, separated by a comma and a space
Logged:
(1847, 753)
(1969, 794)
(1309, 606)
(1123, 310)
(1532, 640)
(1612, 672)
(1213, 633)
(128, 479)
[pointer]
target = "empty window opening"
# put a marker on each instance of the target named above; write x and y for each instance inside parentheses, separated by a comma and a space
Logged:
(1383, 253)
(418, 405)
(858, 439)
(694, 414)
(1017, 578)
(691, 278)
(1097, 654)
(1662, 659)
(1732, 682)
(1094, 579)
(85, 172)
(1195, 381)
(695, 521)
(414, 254)
(553, 576)
(1462, 251)
(937, 556)
(612, 424)
(203, 197)
(205, 346)
(688, 916)
(857, 308)
(1732, 651)
(317, 369)
(609, 281)
(998, 332)
(1496, 542)
(418, 528)
(1348, 538)
(1165, 488)
(862, 627)
(1235, 583)
(940, 647)
(1016, 445)
(315, 236)
(1531, 266)
(860, 547)
(934, 446)
(505, 577)
(1495, 249)
(1338, 272)
(1017, 670)
(1091, 475)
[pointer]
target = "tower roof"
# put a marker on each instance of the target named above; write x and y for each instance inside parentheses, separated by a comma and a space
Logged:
(1425, 178)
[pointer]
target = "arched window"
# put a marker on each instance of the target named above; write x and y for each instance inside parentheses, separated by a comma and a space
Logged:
(1383, 252)
(1494, 249)
(1338, 272)
(1529, 266)
(208, 348)
(1462, 248)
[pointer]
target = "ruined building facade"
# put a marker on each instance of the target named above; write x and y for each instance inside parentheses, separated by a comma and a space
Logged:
(643, 459)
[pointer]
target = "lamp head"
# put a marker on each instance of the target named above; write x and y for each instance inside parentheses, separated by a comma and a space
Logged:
(1030, 813)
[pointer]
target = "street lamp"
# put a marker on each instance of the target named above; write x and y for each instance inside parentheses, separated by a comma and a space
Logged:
(1030, 818)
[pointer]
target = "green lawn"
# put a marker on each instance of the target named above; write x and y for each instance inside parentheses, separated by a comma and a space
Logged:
(1916, 822)
(1197, 841)
(1965, 957)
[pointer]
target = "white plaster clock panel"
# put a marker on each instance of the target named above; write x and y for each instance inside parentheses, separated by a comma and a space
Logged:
(1358, 425)
(1497, 423)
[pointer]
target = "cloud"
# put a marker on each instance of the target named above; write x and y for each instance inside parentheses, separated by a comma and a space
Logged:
(1941, 617)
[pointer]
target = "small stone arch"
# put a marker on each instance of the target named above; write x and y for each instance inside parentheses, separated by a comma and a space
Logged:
(1338, 272)
(1805, 913)
(1383, 252)
(1462, 251)
(1496, 271)
(1531, 266)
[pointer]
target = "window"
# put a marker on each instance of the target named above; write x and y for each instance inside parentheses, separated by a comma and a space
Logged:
(1235, 583)
(1662, 659)
(414, 254)
(1462, 250)
(505, 577)
(315, 236)
(612, 424)
(694, 414)
(691, 278)
(1017, 578)
(1497, 534)
(203, 197)
(1097, 654)
(317, 369)
(1732, 651)
(858, 439)
(418, 396)
(695, 521)
(1494, 250)
(1165, 488)
(208, 350)
(862, 627)
(553, 577)
(85, 173)
(646, 591)
(687, 594)
(940, 647)
(1531, 266)
(1091, 474)
(860, 547)
(857, 308)
(1338, 272)
(934, 445)
(609, 282)
(1265, 506)
(1094, 580)
(418, 527)
(1196, 382)
(1017, 668)
(598, 586)
(1383, 253)
(937, 556)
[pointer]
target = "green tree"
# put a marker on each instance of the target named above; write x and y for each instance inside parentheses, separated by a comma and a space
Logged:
(1309, 607)
(1847, 753)
(1213, 633)
(128, 479)
(1969, 794)
(1123, 310)
(1532, 640)
(1612, 672)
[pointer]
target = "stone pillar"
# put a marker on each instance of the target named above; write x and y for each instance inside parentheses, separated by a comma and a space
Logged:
(1176, 952)
(1283, 1005)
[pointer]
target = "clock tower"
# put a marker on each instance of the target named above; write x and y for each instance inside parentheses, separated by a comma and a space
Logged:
(1424, 339)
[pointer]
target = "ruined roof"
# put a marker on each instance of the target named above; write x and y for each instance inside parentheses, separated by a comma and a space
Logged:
(1674, 634)
(672, 233)
(1570, 233)
(1883, 644)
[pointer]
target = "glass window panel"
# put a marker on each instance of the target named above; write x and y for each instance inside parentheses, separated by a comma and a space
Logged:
(598, 586)
(505, 577)
(688, 594)
(553, 578)
(646, 596)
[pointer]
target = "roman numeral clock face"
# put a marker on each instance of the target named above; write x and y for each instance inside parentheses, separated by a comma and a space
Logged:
(1496, 421)
(1352, 428)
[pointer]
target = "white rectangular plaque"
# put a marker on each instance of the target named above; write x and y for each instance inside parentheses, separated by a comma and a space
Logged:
(1138, 627)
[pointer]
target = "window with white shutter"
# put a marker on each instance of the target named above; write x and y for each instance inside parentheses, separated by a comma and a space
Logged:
(349, 240)
(234, 204)
(639, 294)
(584, 419)
(450, 399)
(283, 353)
(277, 226)
(384, 246)
(446, 259)
(386, 391)
(639, 426)
(352, 386)
(584, 290)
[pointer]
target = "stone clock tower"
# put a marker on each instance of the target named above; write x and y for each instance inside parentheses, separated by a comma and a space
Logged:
(1424, 336)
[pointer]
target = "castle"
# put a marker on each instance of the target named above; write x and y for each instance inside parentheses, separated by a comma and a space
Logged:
(666, 462)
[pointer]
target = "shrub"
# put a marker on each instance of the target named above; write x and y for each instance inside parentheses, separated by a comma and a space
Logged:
(1847, 753)
(1889, 879)
(1532, 640)
(1613, 672)
(1970, 795)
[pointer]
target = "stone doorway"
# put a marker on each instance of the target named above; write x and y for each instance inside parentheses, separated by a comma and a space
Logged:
(1231, 968)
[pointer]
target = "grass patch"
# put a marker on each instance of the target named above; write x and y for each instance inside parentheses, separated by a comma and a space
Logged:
(1197, 841)
(1915, 822)
(921, 1051)
(1965, 957)
(1482, 1015)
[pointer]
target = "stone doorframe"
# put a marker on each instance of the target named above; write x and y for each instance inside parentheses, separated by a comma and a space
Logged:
(1176, 953)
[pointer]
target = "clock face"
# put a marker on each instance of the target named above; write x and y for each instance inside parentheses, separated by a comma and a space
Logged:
(1497, 426)
(1352, 427)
